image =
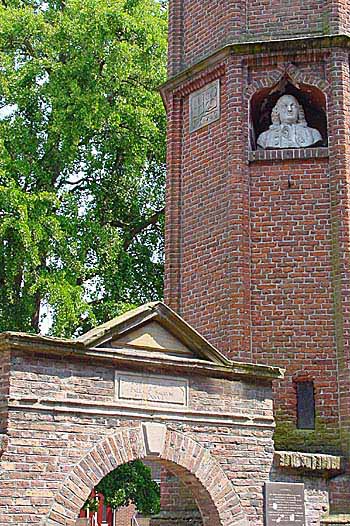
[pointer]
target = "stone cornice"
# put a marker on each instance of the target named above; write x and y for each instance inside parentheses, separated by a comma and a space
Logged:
(336, 520)
(254, 47)
(288, 154)
(128, 356)
(316, 463)
(138, 411)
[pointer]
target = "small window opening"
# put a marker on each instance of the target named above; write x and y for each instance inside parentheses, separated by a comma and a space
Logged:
(305, 405)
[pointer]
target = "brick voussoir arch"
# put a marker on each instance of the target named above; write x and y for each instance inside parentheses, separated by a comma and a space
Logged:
(186, 458)
(296, 76)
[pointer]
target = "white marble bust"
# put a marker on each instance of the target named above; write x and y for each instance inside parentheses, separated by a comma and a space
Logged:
(289, 128)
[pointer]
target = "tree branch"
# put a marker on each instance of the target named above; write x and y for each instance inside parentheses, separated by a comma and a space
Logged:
(118, 224)
(101, 65)
(36, 314)
(29, 48)
(152, 220)
(35, 319)
(71, 183)
(82, 279)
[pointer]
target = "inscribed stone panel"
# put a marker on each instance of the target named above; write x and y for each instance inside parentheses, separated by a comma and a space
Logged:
(205, 106)
(151, 389)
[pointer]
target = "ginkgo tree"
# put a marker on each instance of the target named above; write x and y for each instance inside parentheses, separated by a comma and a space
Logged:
(82, 149)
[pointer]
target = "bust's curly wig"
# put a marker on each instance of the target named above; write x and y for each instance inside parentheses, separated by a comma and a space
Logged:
(275, 114)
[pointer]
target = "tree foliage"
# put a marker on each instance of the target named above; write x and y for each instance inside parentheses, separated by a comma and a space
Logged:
(129, 483)
(82, 151)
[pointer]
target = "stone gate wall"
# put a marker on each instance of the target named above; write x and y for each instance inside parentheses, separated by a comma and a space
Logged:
(61, 407)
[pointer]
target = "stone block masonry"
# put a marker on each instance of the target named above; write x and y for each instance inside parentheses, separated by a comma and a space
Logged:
(66, 429)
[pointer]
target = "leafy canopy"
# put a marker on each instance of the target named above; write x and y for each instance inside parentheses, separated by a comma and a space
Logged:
(129, 483)
(82, 150)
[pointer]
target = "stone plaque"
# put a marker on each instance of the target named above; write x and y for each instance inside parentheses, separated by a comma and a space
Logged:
(284, 504)
(151, 389)
(205, 106)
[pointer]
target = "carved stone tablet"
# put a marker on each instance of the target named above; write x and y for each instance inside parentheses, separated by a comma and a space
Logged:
(205, 106)
(151, 389)
(284, 504)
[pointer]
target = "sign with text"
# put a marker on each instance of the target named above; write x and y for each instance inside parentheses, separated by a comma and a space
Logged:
(151, 389)
(284, 504)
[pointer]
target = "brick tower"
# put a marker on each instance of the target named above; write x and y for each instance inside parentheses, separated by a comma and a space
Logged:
(257, 237)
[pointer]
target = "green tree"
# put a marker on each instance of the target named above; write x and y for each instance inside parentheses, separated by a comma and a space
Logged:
(82, 151)
(129, 483)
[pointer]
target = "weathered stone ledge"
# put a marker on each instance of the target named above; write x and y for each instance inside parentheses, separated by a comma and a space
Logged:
(177, 518)
(134, 356)
(138, 411)
(335, 520)
(311, 462)
(288, 154)
(177, 514)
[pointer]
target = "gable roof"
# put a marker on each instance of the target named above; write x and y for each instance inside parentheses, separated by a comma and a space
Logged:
(171, 344)
(160, 323)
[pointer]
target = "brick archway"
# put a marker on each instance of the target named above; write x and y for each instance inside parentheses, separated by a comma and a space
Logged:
(186, 458)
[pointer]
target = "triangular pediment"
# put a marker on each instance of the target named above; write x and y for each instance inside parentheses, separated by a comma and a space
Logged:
(153, 328)
(153, 336)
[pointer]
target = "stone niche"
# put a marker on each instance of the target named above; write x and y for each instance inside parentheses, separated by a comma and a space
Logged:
(312, 100)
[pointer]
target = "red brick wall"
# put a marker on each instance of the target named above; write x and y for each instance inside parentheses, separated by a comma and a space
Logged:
(291, 284)
(209, 24)
(124, 515)
(257, 251)
(178, 506)
(175, 496)
(339, 16)
(200, 27)
(175, 40)
(339, 116)
(4, 388)
(210, 242)
(276, 19)
(340, 494)
(206, 209)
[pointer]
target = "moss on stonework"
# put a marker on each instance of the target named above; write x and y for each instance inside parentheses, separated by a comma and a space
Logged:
(345, 437)
(325, 24)
(321, 439)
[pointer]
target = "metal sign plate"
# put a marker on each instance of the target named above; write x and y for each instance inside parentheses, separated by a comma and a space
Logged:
(284, 504)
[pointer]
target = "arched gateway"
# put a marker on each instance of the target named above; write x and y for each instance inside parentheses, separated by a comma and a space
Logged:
(145, 385)
(194, 465)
